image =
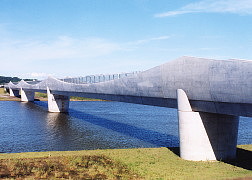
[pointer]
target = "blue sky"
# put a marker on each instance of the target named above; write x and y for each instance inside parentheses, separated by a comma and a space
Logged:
(81, 37)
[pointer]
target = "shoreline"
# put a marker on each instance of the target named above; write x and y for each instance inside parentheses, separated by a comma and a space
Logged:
(9, 98)
(4, 96)
(175, 150)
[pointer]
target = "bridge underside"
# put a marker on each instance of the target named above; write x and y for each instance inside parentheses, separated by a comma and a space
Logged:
(235, 109)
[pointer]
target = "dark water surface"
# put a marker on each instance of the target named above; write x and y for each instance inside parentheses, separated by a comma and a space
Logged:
(92, 125)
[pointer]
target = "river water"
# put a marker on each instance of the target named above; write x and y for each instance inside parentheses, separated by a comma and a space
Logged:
(28, 127)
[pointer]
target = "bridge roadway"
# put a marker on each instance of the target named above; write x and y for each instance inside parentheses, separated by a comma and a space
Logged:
(210, 95)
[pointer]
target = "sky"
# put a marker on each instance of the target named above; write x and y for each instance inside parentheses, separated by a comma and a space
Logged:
(71, 38)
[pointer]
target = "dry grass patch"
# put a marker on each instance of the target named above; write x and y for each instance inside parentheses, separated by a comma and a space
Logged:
(66, 167)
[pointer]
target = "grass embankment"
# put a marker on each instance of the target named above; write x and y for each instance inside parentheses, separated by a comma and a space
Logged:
(148, 163)
(4, 96)
(43, 97)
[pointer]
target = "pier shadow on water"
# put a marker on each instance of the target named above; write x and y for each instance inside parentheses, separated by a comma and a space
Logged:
(150, 136)
(156, 138)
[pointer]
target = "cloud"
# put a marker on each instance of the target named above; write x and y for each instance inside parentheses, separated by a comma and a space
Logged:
(62, 47)
(65, 55)
(242, 7)
(39, 74)
(152, 39)
(143, 41)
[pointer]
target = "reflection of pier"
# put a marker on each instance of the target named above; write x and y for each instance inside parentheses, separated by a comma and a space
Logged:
(210, 95)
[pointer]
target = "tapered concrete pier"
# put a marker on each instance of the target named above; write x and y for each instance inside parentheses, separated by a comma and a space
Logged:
(26, 96)
(205, 136)
(57, 103)
(14, 93)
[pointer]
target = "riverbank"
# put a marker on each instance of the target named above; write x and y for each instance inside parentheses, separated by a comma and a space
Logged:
(143, 163)
(40, 97)
(6, 97)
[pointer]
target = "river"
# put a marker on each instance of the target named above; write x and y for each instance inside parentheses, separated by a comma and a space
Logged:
(29, 127)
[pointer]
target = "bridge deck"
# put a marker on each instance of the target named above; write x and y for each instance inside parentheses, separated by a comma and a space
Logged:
(216, 86)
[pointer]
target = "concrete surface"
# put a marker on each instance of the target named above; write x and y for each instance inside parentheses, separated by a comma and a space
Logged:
(27, 96)
(57, 103)
(205, 136)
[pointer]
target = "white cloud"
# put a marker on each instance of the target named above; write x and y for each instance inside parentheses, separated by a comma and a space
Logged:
(63, 56)
(63, 47)
(20, 51)
(143, 41)
(213, 6)
(39, 74)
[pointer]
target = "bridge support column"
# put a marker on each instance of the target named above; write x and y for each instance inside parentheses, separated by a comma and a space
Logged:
(205, 136)
(14, 92)
(27, 96)
(57, 103)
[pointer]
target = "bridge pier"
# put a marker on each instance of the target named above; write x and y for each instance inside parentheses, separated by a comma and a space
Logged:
(205, 136)
(26, 96)
(14, 92)
(57, 103)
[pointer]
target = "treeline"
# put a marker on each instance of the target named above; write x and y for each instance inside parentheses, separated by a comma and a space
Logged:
(4, 79)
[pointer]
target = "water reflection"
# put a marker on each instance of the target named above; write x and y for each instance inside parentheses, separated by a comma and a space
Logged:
(56, 121)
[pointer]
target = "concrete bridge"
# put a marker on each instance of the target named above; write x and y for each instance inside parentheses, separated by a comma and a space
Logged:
(210, 95)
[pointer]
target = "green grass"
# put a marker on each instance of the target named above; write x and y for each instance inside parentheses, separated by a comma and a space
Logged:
(74, 98)
(40, 95)
(144, 163)
(43, 97)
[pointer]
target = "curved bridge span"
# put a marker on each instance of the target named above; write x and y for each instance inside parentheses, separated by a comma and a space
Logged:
(210, 95)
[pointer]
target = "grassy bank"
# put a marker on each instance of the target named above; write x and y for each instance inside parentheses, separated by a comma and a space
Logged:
(146, 163)
(39, 97)
(4, 96)
(43, 97)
